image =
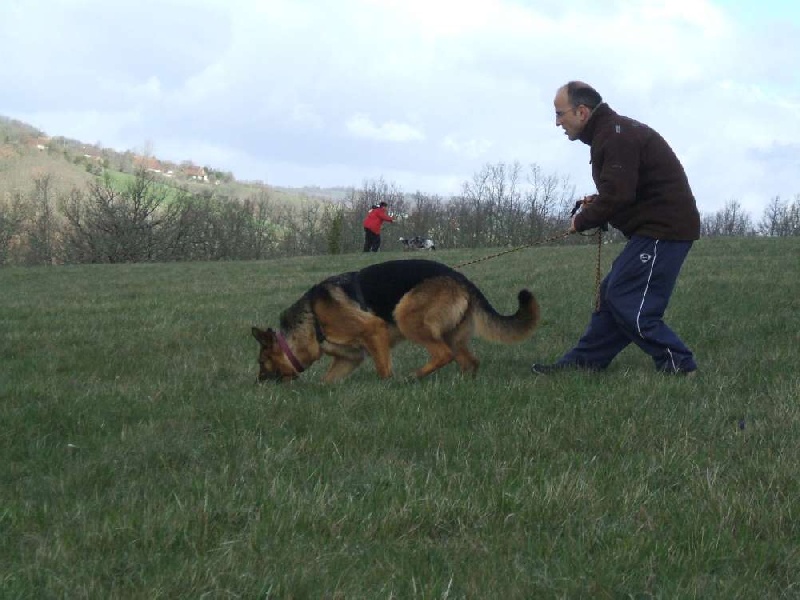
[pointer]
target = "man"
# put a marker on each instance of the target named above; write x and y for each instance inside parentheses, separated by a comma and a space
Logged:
(372, 226)
(643, 191)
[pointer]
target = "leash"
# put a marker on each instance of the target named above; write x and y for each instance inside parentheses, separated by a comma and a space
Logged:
(598, 273)
(547, 240)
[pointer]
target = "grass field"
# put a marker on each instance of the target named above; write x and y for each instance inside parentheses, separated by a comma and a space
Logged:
(138, 458)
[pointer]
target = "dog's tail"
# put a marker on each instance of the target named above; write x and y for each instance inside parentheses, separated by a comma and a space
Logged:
(506, 329)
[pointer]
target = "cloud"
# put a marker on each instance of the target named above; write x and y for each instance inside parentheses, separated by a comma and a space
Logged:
(390, 131)
(468, 148)
(305, 114)
(422, 92)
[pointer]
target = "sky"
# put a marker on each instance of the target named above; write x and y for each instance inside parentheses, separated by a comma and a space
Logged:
(421, 93)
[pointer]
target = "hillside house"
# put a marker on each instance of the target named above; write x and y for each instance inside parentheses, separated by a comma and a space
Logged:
(149, 164)
(196, 173)
(40, 143)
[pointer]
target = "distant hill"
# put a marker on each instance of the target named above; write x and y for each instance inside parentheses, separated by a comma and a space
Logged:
(336, 193)
(27, 153)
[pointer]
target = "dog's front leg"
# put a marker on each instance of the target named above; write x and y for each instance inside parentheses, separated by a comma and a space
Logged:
(341, 367)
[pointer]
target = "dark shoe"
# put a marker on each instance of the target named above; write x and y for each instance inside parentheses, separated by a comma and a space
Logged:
(540, 369)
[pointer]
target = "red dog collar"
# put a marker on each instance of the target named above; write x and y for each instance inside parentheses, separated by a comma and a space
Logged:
(288, 352)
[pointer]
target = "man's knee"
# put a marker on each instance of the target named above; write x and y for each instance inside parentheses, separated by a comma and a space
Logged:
(623, 309)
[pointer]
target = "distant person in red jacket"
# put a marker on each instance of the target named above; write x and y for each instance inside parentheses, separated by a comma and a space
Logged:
(372, 226)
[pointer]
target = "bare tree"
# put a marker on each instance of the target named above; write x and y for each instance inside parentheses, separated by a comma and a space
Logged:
(793, 217)
(109, 225)
(147, 219)
(333, 224)
(13, 215)
(424, 218)
(781, 218)
(477, 206)
(42, 229)
(264, 230)
(731, 220)
(548, 201)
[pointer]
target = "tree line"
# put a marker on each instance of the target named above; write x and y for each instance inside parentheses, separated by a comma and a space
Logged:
(150, 220)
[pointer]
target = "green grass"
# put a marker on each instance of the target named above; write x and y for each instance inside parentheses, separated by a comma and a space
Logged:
(122, 182)
(138, 458)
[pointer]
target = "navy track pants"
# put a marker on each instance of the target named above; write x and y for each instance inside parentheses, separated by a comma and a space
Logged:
(633, 298)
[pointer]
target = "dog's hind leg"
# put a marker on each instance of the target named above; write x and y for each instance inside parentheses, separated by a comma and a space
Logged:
(467, 361)
(459, 343)
(441, 356)
(430, 316)
(429, 337)
(378, 342)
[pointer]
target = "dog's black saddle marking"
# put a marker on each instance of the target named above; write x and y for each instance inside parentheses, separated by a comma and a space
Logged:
(378, 288)
(384, 284)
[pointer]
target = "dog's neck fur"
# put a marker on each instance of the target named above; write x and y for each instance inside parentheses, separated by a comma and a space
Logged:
(309, 353)
(295, 324)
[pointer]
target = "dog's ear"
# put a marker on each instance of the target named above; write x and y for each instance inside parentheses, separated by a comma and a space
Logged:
(263, 337)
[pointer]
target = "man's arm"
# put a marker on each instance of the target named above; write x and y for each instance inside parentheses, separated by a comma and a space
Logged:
(616, 184)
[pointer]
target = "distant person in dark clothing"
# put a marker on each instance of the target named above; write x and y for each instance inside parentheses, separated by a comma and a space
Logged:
(373, 222)
(643, 191)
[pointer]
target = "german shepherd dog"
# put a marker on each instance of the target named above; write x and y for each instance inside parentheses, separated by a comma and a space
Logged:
(367, 312)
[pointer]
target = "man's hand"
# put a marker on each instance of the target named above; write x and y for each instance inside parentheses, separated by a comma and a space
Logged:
(580, 203)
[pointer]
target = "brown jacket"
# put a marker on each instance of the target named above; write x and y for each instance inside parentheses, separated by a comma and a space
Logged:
(642, 187)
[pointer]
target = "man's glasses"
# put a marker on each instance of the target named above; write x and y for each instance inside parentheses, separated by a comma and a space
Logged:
(561, 113)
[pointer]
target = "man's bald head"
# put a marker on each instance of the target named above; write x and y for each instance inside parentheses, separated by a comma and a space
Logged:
(578, 92)
(574, 104)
